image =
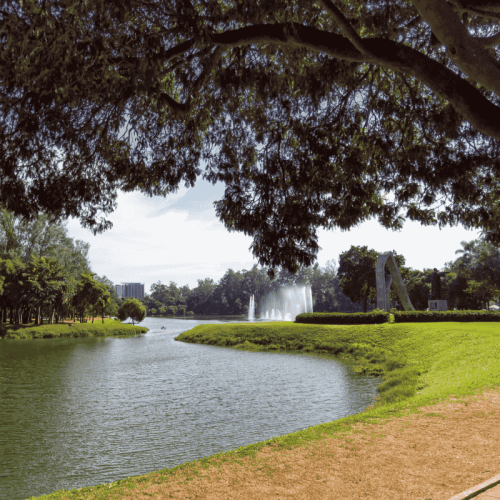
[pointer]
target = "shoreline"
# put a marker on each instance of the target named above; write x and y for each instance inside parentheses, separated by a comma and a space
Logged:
(460, 401)
(406, 450)
(71, 330)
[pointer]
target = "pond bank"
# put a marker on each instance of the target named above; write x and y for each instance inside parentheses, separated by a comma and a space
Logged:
(61, 330)
(431, 444)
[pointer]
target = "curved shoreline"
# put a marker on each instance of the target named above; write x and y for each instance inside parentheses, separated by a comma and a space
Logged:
(458, 361)
(73, 330)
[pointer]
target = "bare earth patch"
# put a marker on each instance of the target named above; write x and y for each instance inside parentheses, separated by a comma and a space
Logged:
(430, 455)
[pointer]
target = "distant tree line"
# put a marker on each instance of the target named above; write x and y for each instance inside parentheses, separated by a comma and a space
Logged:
(231, 295)
(45, 273)
(472, 283)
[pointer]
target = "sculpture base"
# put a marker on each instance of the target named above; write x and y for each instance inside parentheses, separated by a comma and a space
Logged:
(438, 305)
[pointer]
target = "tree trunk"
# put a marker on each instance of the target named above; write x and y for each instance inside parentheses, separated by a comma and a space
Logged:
(365, 302)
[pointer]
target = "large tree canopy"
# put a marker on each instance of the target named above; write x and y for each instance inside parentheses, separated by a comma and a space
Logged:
(313, 114)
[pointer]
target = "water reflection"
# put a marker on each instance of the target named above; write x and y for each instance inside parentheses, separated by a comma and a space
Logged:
(78, 412)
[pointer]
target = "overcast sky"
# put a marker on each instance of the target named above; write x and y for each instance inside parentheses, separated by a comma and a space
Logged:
(179, 239)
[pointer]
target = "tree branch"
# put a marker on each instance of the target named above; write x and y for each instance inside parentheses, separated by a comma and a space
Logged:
(478, 12)
(176, 107)
(466, 52)
(179, 108)
(164, 55)
(346, 28)
(200, 81)
(474, 4)
(464, 97)
(489, 41)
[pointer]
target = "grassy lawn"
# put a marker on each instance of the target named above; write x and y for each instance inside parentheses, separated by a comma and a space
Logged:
(419, 364)
(69, 329)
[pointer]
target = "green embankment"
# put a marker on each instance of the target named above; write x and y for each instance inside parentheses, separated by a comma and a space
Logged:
(424, 359)
(96, 329)
(421, 364)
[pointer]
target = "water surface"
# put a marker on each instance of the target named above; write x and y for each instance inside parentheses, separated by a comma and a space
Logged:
(83, 411)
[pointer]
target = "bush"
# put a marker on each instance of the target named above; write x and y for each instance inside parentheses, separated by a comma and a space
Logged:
(435, 316)
(371, 318)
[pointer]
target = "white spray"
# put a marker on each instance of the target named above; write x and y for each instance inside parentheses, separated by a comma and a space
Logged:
(251, 309)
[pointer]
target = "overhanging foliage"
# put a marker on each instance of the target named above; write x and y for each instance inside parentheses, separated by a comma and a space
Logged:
(313, 114)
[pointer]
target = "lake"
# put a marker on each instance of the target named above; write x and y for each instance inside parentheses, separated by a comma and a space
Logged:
(83, 411)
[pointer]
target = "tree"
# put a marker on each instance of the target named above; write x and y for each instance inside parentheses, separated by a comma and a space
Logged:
(133, 309)
(45, 286)
(313, 114)
(478, 269)
(101, 300)
(91, 296)
(419, 288)
(198, 300)
(108, 304)
(325, 287)
(356, 273)
(12, 295)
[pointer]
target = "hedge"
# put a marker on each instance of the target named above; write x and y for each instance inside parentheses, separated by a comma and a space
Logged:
(370, 318)
(434, 316)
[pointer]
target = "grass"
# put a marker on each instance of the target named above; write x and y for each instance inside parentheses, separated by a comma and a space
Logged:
(419, 364)
(97, 329)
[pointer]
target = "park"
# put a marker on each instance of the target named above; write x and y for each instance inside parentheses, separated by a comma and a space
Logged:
(362, 378)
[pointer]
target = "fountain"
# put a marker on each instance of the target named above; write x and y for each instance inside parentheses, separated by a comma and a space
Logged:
(251, 309)
(286, 303)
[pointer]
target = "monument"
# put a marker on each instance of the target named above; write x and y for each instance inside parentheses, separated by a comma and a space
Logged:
(435, 301)
(384, 283)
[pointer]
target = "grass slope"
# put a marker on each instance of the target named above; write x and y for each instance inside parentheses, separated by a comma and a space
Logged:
(97, 329)
(420, 363)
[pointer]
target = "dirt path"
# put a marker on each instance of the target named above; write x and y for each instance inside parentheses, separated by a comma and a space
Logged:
(428, 456)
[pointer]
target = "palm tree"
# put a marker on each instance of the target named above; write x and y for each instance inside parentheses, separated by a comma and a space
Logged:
(468, 252)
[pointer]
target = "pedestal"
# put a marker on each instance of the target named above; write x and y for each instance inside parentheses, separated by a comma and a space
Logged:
(438, 305)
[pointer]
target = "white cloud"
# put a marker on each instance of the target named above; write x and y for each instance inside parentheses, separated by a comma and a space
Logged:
(179, 239)
(164, 239)
(422, 246)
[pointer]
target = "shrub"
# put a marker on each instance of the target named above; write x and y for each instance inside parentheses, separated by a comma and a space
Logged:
(435, 316)
(371, 318)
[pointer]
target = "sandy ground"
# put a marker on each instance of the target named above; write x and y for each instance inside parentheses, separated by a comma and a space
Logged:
(432, 455)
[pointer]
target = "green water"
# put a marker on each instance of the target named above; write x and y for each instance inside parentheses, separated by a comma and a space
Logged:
(83, 411)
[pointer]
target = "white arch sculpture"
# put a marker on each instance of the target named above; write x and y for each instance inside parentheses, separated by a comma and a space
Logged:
(384, 284)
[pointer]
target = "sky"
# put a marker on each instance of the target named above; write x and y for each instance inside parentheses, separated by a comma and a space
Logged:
(180, 239)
